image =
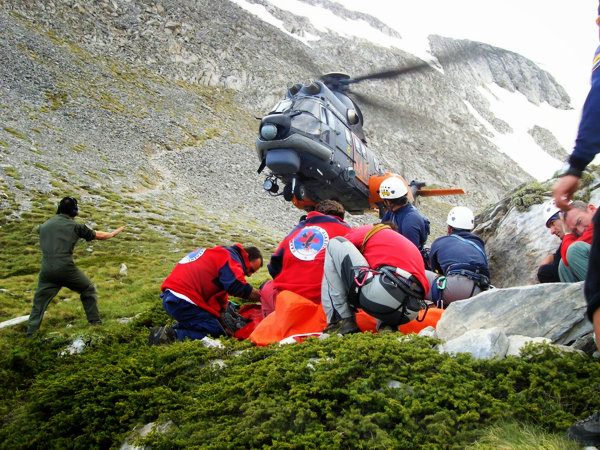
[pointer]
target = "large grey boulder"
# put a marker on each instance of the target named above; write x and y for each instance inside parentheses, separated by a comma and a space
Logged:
(555, 311)
(482, 344)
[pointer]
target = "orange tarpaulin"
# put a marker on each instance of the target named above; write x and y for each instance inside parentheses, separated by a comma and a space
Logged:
(296, 315)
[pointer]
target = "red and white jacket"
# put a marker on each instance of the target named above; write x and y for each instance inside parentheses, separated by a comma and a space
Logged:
(206, 276)
(297, 264)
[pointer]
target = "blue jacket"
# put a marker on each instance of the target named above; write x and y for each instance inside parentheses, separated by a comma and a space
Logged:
(411, 224)
(587, 143)
(452, 251)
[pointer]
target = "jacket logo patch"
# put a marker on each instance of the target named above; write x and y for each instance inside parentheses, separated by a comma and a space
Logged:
(308, 242)
(192, 256)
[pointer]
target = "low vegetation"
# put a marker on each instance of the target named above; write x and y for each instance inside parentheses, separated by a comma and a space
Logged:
(377, 391)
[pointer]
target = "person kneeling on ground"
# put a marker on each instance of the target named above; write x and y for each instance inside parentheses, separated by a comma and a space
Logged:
(195, 294)
(376, 269)
(460, 260)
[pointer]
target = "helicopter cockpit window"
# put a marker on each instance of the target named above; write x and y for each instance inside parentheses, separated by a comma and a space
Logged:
(323, 115)
(309, 106)
(282, 106)
(331, 119)
(309, 121)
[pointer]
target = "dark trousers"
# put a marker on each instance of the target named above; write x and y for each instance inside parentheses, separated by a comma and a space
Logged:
(193, 322)
(591, 287)
(55, 275)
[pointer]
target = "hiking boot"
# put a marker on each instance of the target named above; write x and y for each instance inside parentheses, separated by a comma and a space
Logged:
(342, 326)
(95, 322)
(161, 335)
(587, 431)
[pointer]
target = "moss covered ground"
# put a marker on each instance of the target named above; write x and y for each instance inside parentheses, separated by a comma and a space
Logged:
(375, 391)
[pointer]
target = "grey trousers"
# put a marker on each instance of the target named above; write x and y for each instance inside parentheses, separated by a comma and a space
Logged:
(458, 287)
(342, 264)
(578, 257)
(338, 276)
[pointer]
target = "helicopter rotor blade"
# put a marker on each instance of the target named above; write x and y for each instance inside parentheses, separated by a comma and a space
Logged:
(413, 68)
(464, 53)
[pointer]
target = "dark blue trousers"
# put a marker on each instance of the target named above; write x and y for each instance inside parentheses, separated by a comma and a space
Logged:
(193, 322)
(592, 280)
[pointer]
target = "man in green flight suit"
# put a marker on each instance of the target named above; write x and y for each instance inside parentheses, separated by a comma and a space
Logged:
(58, 236)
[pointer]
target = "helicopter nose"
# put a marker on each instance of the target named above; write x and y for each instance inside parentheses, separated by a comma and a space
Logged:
(283, 161)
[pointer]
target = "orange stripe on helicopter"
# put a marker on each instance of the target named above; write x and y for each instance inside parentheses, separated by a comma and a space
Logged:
(436, 192)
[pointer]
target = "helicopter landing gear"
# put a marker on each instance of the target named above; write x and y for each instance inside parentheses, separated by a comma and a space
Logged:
(300, 192)
(294, 189)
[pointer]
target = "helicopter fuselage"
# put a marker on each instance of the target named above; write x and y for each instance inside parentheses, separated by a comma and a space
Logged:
(313, 144)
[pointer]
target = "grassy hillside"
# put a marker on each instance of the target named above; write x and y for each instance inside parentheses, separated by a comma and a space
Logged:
(374, 391)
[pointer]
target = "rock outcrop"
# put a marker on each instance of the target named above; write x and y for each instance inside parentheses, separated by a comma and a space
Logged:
(500, 321)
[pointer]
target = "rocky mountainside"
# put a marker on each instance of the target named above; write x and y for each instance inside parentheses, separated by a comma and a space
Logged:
(159, 99)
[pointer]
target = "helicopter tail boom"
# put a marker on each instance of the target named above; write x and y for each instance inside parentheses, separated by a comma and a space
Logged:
(439, 192)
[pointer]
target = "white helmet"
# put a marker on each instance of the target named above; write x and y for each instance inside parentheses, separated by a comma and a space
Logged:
(550, 210)
(461, 217)
(392, 188)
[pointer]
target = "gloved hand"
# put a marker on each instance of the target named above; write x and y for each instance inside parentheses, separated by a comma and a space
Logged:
(231, 320)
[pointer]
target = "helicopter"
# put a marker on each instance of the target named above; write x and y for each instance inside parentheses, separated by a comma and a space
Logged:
(314, 146)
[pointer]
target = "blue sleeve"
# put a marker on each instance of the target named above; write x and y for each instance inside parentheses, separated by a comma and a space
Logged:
(276, 263)
(587, 144)
(433, 260)
(232, 284)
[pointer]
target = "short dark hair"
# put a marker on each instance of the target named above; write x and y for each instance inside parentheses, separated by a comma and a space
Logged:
(457, 229)
(68, 206)
(399, 201)
(331, 208)
(254, 253)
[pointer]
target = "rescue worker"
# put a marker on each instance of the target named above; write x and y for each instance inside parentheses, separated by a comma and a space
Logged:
(459, 260)
(297, 264)
(411, 224)
(374, 268)
(58, 236)
(548, 268)
(195, 294)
